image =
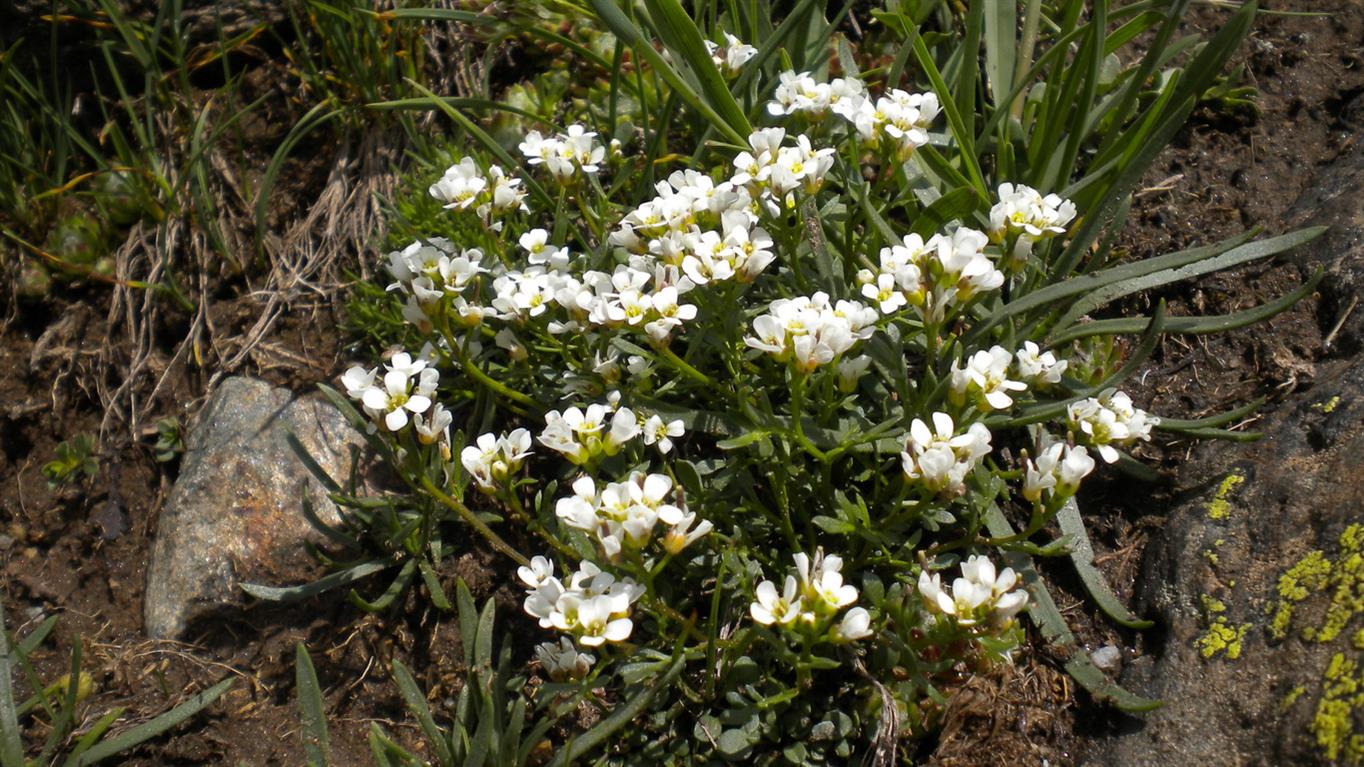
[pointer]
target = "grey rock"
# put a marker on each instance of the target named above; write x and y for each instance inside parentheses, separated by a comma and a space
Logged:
(235, 513)
(1249, 678)
(1108, 658)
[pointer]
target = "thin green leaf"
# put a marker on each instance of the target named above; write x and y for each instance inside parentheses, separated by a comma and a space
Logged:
(680, 34)
(11, 747)
(312, 713)
(144, 732)
(622, 716)
(1082, 556)
(1001, 44)
(339, 578)
(416, 703)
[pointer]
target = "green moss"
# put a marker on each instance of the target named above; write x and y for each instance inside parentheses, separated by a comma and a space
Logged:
(1219, 507)
(1342, 696)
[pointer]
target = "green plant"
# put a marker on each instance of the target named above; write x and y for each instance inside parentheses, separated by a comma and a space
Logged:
(805, 345)
(74, 458)
(61, 700)
(170, 440)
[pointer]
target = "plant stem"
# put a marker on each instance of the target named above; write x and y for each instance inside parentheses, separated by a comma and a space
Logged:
(472, 519)
(681, 365)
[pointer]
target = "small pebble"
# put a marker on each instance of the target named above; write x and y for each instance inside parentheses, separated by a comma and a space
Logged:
(1107, 658)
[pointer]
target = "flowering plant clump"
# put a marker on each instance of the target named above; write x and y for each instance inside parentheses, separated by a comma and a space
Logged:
(758, 408)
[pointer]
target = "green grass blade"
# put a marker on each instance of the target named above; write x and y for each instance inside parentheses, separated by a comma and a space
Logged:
(620, 25)
(682, 37)
(1001, 46)
(1082, 556)
(155, 727)
(92, 736)
(339, 578)
(1219, 323)
(966, 142)
(1212, 421)
(312, 713)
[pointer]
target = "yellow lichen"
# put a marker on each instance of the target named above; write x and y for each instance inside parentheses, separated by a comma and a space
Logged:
(1292, 697)
(1347, 577)
(1309, 575)
(1212, 605)
(1222, 636)
(1328, 406)
(1219, 507)
(1342, 695)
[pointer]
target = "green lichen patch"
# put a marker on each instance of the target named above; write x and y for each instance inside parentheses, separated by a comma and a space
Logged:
(1342, 697)
(1347, 581)
(1222, 637)
(1220, 505)
(1328, 406)
(1308, 576)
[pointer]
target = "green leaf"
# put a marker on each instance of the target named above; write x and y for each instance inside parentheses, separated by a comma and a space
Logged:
(1044, 613)
(144, 732)
(680, 34)
(468, 620)
(1254, 251)
(1082, 556)
(339, 578)
(416, 703)
(312, 713)
(621, 26)
(11, 747)
(619, 718)
(956, 205)
(1001, 45)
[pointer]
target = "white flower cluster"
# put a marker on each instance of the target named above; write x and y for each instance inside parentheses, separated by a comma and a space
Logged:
(567, 154)
(1023, 213)
(773, 172)
(940, 458)
(985, 380)
(1057, 471)
(898, 117)
(464, 185)
(810, 600)
(811, 331)
(495, 458)
(1107, 420)
(602, 429)
(407, 388)
(622, 515)
(730, 58)
(978, 596)
(934, 276)
(706, 231)
(593, 606)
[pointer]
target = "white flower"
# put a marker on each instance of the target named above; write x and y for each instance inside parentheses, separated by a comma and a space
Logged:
(682, 534)
(593, 605)
(1058, 469)
(856, 624)
(1023, 211)
(732, 56)
(658, 432)
(435, 428)
(1037, 367)
(1107, 420)
(986, 379)
(597, 624)
(810, 331)
(940, 458)
(769, 607)
(977, 596)
(850, 371)
(399, 395)
(460, 186)
(495, 458)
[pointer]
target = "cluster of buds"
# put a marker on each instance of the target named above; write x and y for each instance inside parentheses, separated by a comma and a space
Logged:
(1057, 471)
(593, 606)
(811, 331)
(939, 459)
(621, 516)
(1038, 368)
(1107, 420)
(810, 601)
(978, 597)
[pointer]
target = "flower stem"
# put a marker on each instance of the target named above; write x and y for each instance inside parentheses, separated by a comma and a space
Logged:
(472, 519)
(681, 365)
(534, 524)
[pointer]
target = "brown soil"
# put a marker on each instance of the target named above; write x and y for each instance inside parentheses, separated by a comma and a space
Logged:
(81, 552)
